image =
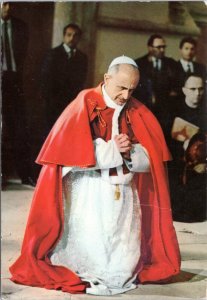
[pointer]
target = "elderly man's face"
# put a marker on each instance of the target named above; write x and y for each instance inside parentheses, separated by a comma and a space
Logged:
(193, 91)
(120, 85)
(188, 51)
(158, 48)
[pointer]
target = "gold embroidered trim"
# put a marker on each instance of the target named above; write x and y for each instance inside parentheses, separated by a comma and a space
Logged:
(100, 118)
(128, 117)
(117, 193)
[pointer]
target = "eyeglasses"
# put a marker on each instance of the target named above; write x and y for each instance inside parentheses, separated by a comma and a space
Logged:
(160, 47)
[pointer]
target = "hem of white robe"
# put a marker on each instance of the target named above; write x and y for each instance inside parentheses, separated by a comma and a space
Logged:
(102, 290)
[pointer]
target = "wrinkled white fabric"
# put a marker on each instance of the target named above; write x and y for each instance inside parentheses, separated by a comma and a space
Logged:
(139, 159)
(101, 239)
(107, 154)
(108, 151)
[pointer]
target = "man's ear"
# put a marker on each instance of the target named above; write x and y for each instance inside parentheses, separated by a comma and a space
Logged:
(106, 77)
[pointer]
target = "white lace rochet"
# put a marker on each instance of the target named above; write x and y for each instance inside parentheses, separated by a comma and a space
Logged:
(101, 237)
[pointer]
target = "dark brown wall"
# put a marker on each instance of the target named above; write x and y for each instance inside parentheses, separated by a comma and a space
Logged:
(202, 45)
(39, 18)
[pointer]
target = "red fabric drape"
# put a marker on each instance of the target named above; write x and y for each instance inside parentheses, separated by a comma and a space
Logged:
(70, 144)
(43, 230)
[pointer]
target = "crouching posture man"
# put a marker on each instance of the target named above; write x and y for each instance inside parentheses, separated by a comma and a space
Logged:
(100, 220)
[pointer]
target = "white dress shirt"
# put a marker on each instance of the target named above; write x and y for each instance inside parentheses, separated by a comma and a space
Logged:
(157, 63)
(187, 65)
(68, 50)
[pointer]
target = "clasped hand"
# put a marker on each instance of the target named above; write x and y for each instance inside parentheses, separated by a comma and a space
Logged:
(124, 144)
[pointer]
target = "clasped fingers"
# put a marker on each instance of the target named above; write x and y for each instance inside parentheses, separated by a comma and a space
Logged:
(123, 143)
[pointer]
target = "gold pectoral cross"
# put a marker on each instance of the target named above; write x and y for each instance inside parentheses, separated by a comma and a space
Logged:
(117, 193)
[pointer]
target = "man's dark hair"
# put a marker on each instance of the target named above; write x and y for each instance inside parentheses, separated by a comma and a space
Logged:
(192, 75)
(152, 38)
(74, 26)
(189, 40)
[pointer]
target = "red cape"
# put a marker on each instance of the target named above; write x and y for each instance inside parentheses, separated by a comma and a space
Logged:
(70, 144)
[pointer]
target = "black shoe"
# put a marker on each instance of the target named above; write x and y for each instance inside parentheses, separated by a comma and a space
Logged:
(29, 181)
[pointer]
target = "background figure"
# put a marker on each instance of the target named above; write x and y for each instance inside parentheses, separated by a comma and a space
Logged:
(157, 77)
(186, 65)
(15, 137)
(63, 74)
(187, 171)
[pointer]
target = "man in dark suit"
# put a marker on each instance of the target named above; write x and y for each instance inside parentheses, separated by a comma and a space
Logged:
(15, 137)
(63, 74)
(187, 171)
(186, 65)
(156, 81)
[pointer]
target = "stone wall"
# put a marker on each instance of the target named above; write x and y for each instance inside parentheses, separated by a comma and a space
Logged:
(116, 28)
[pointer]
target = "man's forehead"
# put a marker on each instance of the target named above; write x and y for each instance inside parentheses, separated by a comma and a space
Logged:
(188, 45)
(158, 42)
(194, 81)
(71, 29)
(127, 80)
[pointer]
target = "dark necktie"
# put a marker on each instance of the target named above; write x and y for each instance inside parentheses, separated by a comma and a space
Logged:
(71, 53)
(156, 67)
(7, 47)
(188, 69)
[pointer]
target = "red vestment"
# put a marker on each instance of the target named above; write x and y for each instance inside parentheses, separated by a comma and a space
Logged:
(70, 143)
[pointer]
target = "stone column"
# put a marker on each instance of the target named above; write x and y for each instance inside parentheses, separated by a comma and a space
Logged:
(88, 44)
(63, 14)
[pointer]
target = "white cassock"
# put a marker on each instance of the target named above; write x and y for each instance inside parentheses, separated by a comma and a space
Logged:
(102, 236)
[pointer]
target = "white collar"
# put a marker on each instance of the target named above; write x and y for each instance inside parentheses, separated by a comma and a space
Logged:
(68, 49)
(8, 21)
(109, 102)
(157, 62)
(155, 59)
(185, 63)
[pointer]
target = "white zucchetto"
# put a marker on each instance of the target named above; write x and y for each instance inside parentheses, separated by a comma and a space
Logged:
(122, 60)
